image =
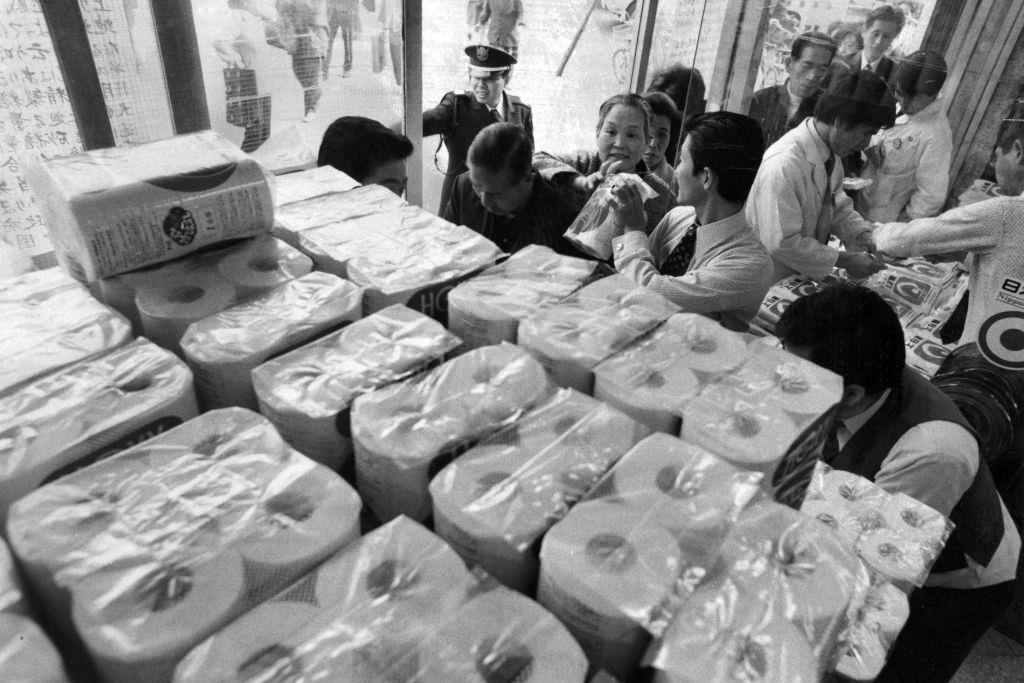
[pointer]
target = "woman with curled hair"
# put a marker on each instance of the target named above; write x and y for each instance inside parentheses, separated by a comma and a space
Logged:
(622, 136)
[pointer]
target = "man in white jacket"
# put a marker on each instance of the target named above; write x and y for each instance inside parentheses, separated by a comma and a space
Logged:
(797, 201)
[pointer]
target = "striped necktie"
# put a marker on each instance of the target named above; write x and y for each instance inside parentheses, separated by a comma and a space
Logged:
(679, 260)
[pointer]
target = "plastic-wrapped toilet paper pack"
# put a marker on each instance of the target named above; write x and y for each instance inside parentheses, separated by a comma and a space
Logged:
(498, 498)
(781, 556)
(872, 631)
(144, 554)
(721, 634)
(307, 392)
(501, 635)
(925, 352)
(605, 572)
(162, 300)
(87, 411)
(12, 600)
(683, 488)
(770, 415)
(487, 309)
(314, 182)
(13, 262)
(361, 615)
(26, 654)
(117, 209)
(50, 321)
(405, 433)
(224, 348)
(778, 298)
(656, 377)
(572, 336)
(295, 217)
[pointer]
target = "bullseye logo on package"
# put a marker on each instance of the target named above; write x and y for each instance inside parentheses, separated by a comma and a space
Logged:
(1001, 339)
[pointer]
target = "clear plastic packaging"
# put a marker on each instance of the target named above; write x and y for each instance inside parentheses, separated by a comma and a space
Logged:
(143, 555)
(595, 226)
(12, 599)
(294, 217)
(87, 411)
(495, 502)
(488, 308)
(405, 433)
(224, 348)
(315, 182)
(26, 654)
(50, 321)
(872, 631)
(117, 209)
(574, 335)
(307, 392)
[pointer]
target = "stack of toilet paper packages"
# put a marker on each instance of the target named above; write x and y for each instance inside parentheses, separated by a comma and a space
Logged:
(495, 502)
(778, 556)
(777, 300)
(722, 633)
(872, 631)
(315, 182)
(50, 321)
(614, 569)
(396, 605)
(142, 556)
(405, 433)
(572, 336)
(224, 348)
(301, 210)
(80, 414)
(654, 379)
(925, 351)
(487, 309)
(162, 300)
(307, 392)
(897, 537)
(118, 209)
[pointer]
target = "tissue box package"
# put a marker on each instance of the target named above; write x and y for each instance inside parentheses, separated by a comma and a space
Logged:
(405, 433)
(487, 309)
(224, 348)
(162, 300)
(50, 321)
(26, 654)
(495, 502)
(294, 217)
(117, 209)
(654, 379)
(360, 616)
(307, 392)
(85, 412)
(315, 182)
(147, 553)
(575, 334)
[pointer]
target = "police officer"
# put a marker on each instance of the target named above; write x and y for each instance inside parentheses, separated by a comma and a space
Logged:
(461, 115)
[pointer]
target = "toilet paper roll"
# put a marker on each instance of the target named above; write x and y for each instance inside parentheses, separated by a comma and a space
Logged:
(723, 634)
(711, 347)
(223, 349)
(796, 385)
(139, 623)
(602, 573)
(848, 489)
(501, 635)
(687, 490)
(862, 655)
(845, 522)
(12, 600)
(406, 432)
(909, 517)
(258, 644)
(50, 321)
(89, 410)
(895, 556)
(314, 182)
(651, 393)
(307, 392)
(26, 654)
(261, 264)
(885, 611)
(167, 311)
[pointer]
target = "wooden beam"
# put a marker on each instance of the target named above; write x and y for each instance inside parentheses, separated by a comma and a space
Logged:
(183, 72)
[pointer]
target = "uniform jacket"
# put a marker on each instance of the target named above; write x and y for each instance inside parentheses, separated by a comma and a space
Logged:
(457, 119)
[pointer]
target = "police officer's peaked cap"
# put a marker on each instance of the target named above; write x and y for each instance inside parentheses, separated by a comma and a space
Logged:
(488, 58)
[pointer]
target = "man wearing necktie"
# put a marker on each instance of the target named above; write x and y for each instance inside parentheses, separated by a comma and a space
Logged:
(903, 433)
(797, 201)
(882, 26)
(461, 115)
(702, 255)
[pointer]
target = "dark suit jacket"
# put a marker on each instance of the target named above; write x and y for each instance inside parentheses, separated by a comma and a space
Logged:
(457, 119)
(770, 108)
(886, 69)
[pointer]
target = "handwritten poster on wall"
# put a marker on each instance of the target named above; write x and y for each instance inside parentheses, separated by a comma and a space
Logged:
(35, 122)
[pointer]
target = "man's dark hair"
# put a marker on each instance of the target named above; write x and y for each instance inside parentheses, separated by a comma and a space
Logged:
(842, 31)
(1010, 130)
(857, 98)
(357, 145)
(662, 105)
(502, 146)
(885, 13)
(921, 73)
(685, 86)
(729, 144)
(812, 39)
(851, 331)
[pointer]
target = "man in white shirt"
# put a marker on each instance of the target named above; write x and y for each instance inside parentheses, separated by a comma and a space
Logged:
(797, 200)
(903, 433)
(993, 232)
(702, 255)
